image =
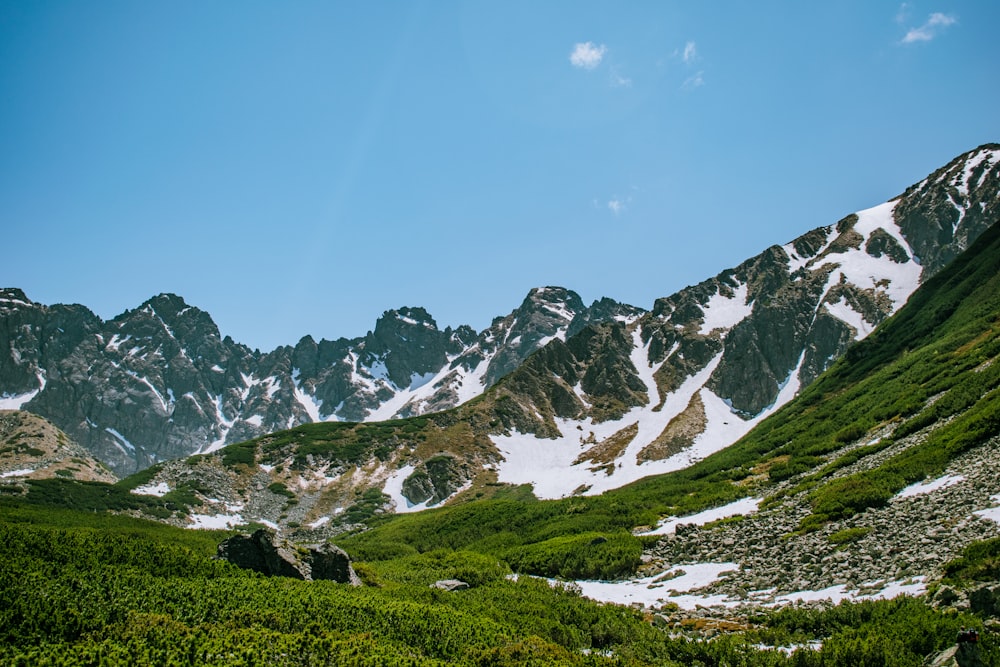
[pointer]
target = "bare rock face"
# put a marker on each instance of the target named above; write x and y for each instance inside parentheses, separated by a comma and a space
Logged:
(268, 554)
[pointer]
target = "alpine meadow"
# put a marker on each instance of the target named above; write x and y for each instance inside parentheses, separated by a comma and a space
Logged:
(457, 334)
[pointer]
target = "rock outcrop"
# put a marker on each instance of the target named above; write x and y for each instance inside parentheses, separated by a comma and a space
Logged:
(160, 382)
(265, 552)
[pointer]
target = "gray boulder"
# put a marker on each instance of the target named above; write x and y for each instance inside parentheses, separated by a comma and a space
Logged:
(265, 552)
(963, 654)
(450, 585)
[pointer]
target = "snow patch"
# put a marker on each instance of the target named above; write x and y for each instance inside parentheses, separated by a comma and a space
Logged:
(869, 272)
(990, 513)
(929, 487)
(650, 593)
(158, 490)
(14, 402)
(149, 385)
(418, 380)
(722, 312)
(379, 371)
(219, 521)
(881, 591)
(843, 311)
(742, 506)
(394, 489)
(122, 442)
(17, 473)
(307, 401)
(559, 310)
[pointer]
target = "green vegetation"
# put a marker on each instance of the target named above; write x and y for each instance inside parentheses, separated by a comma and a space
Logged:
(848, 535)
(85, 588)
(100, 497)
(979, 562)
(95, 588)
(280, 489)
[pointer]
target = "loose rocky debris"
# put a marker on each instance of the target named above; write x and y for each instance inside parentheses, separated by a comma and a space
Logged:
(908, 540)
(268, 554)
(450, 585)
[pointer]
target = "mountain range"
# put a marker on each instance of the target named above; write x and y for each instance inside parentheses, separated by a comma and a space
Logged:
(583, 399)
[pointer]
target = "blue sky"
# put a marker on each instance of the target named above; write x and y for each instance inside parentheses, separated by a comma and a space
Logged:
(298, 168)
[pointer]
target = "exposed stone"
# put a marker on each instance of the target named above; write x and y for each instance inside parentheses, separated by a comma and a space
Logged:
(450, 585)
(265, 552)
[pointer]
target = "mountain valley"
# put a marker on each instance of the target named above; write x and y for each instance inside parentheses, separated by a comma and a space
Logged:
(819, 424)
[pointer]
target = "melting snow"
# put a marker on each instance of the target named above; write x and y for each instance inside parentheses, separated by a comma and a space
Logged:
(418, 380)
(990, 513)
(394, 489)
(307, 401)
(722, 312)
(17, 473)
(681, 590)
(8, 402)
(319, 522)
(928, 487)
(158, 490)
(649, 593)
(844, 312)
(121, 440)
(219, 521)
(865, 271)
(742, 506)
(881, 591)
(14, 402)
(548, 464)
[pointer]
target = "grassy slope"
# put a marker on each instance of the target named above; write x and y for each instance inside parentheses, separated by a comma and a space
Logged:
(84, 588)
(941, 344)
(78, 585)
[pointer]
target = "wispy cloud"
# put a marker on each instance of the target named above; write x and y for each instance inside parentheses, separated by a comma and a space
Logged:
(619, 80)
(696, 80)
(617, 204)
(587, 55)
(930, 29)
(903, 13)
(690, 53)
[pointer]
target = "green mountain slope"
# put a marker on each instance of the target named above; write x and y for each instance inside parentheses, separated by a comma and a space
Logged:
(917, 400)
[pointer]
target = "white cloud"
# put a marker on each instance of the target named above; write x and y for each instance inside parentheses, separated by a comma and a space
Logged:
(696, 80)
(930, 29)
(587, 55)
(618, 80)
(690, 53)
(616, 206)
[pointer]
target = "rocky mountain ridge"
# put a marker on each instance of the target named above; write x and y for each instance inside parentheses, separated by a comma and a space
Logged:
(863, 486)
(616, 402)
(159, 382)
(614, 394)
